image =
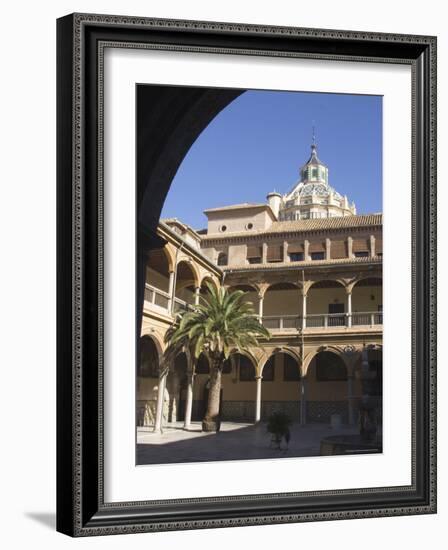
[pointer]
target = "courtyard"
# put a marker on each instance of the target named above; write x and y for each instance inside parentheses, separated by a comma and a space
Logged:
(235, 441)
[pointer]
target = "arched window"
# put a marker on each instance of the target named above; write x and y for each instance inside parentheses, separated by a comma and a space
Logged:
(222, 258)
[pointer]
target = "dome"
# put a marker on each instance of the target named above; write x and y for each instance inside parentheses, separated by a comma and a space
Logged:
(312, 196)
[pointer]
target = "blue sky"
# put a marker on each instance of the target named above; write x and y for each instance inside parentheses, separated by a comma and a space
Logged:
(258, 143)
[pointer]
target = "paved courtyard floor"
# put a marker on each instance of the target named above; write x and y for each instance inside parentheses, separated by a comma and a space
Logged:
(235, 441)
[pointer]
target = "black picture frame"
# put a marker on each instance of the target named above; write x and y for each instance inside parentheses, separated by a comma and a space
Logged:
(81, 38)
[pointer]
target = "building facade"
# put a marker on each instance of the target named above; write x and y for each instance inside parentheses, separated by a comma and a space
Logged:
(312, 268)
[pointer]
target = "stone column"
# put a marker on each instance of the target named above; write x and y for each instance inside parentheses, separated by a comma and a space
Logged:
(372, 246)
(306, 248)
(258, 399)
(285, 251)
(350, 247)
(197, 293)
(189, 401)
(260, 306)
(303, 309)
(349, 306)
(327, 249)
(171, 292)
(160, 400)
(351, 416)
(264, 254)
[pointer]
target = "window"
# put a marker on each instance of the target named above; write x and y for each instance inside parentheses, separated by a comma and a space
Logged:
(296, 257)
(362, 254)
(314, 173)
(291, 371)
(223, 228)
(318, 256)
(222, 258)
(249, 226)
(254, 260)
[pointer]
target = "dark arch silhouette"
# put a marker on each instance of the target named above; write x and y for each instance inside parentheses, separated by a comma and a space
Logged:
(170, 118)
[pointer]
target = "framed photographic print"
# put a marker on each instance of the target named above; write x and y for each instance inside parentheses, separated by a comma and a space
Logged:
(246, 274)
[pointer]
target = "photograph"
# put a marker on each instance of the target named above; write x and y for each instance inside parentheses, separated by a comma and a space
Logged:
(260, 331)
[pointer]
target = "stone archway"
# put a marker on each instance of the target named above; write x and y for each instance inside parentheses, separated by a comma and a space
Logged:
(148, 367)
(239, 388)
(169, 121)
(327, 383)
(281, 385)
(186, 282)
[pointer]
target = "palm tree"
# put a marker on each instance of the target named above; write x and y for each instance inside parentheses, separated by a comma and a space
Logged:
(220, 324)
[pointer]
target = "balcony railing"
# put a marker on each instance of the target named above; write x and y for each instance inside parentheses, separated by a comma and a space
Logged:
(325, 320)
(181, 305)
(161, 299)
(371, 318)
(322, 320)
(284, 322)
(157, 297)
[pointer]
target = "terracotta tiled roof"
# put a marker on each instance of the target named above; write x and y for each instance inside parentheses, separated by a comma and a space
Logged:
(304, 226)
(340, 222)
(300, 265)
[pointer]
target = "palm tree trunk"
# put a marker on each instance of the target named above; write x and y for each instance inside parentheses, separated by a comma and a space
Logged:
(211, 419)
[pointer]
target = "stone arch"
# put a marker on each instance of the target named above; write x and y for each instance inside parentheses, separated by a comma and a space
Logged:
(150, 357)
(363, 277)
(280, 385)
(285, 350)
(207, 278)
(321, 281)
(186, 281)
(169, 122)
(171, 256)
(149, 360)
(249, 355)
(330, 348)
(187, 264)
(329, 389)
(157, 268)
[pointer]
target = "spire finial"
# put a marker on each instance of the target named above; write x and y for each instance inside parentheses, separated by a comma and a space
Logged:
(314, 136)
